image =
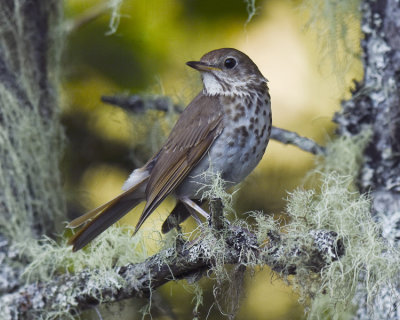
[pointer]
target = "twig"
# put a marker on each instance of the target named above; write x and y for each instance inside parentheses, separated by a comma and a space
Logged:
(137, 103)
(289, 137)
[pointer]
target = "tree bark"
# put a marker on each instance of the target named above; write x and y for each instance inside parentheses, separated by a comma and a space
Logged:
(31, 197)
(376, 103)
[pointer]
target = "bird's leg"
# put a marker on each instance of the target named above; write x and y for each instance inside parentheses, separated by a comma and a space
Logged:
(193, 214)
(194, 208)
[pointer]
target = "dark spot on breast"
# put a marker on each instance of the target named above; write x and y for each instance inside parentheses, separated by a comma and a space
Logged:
(244, 131)
(246, 157)
(254, 149)
(248, 103)
(263, 89)
(251, 127)
(231, 144)
(264, 113)
(241, 110)
(258, 109)
(256, 121)
(263, 130)
(236, 117)
(228, 111)
(252, 120)
(242, 135)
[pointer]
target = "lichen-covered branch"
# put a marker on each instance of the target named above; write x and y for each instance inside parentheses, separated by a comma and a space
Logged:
(72, 293)
(138, 104)
(375, 104)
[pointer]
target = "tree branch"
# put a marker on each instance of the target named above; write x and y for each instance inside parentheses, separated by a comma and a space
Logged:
(290, 137)
(139, 104)
(75, 292)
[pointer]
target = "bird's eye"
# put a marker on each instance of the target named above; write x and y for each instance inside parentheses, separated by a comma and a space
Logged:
(230, 63)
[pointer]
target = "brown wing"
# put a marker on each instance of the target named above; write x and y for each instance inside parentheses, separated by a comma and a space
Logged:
(195, 131)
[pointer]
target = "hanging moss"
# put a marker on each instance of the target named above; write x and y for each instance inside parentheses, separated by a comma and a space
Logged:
(31, 138)
(338, 206)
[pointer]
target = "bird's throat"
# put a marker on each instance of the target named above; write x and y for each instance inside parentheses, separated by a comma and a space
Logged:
(212, 85)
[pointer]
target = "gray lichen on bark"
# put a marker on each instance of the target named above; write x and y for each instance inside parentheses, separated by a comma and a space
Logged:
(375, 103)
(11, 267)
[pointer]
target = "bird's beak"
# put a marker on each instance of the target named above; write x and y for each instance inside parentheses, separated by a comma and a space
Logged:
(201, 66)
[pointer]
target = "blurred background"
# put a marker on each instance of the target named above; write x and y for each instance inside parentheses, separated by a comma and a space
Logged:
(309, 72)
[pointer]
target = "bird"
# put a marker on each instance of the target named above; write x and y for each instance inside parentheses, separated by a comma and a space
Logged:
(224, 130)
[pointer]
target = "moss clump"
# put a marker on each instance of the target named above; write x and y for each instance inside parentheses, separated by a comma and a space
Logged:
(116, 247)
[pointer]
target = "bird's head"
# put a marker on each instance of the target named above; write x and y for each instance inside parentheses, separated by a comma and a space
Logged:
(227, 71)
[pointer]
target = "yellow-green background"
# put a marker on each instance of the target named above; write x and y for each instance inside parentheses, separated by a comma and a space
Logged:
(147, 55)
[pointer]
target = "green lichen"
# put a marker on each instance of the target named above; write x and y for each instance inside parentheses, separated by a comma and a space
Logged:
(115, 247)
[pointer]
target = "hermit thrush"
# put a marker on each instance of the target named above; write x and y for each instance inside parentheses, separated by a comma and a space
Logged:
(225, 130)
